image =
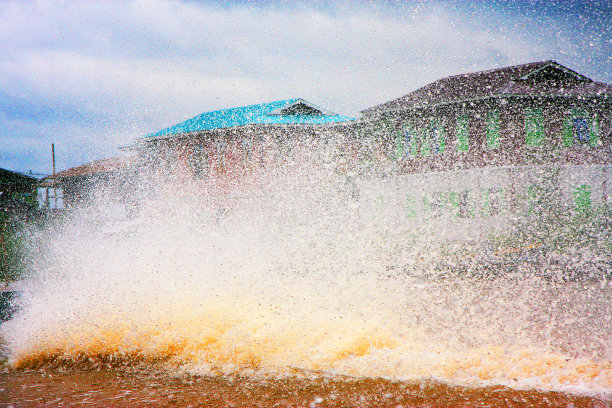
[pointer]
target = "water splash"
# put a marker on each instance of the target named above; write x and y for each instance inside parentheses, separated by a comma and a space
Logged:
(292, 278)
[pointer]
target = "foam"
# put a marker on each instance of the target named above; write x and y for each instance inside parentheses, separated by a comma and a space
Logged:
(292, 279)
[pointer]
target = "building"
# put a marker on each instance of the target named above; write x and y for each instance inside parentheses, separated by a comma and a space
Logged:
(503, 138)
(16, 194)
(534, 113)
(220, 147)
(467, 146)
(110, 180)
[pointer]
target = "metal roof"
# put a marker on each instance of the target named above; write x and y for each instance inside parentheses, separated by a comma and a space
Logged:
(262, 114)
(507, 81)
(102, 166)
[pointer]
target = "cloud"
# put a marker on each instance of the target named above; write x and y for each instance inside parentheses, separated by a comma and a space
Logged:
(94, 75)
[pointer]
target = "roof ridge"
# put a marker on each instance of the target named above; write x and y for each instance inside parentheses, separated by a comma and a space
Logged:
(244, 107)
(432, 86)
(488, 71)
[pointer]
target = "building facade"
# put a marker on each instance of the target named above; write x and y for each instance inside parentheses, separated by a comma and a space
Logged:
(471, 146)
(221, 148)
(524, 126)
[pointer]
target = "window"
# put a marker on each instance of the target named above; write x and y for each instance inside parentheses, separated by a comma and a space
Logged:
(466, 208)
(462, 133)
(534, 127)
(246, 145)
(406, 143)
(436, 136)
(411, 204)
(493, 129)
(582, 198)
(221, 148)
(425, 143)
(437, 203)
(580, 128)
(199, 162)
(50, 198)
(492, 199)
(411, 141)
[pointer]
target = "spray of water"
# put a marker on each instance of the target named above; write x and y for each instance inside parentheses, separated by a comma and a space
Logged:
(287, 277)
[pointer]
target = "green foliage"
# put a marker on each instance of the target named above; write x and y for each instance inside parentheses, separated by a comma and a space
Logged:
(11, 251)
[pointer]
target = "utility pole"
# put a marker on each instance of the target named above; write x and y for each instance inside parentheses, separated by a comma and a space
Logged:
(53, 157)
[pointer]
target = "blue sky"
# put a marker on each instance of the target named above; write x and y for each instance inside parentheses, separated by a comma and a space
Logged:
(90, 76)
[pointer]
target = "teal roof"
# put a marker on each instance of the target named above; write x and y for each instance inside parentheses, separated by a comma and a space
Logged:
(262, 114)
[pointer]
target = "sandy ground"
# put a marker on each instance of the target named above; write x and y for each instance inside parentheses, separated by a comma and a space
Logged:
(135, 388)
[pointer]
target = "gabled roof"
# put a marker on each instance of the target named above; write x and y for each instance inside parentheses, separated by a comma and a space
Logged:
(544, 78)
(290, 111)
(102, 166)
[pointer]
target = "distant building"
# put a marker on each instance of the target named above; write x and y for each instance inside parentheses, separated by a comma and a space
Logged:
(112, 180)
(222, 145)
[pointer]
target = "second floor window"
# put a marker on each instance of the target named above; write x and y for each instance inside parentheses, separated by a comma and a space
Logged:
(436, 136)
(493, 129)
(581, 128)
(534, 127)
(463, 133)
(199, 162)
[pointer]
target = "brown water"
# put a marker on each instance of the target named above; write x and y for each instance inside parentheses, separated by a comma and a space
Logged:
(132, 388)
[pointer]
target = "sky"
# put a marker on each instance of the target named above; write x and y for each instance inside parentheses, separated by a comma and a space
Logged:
(93, 76)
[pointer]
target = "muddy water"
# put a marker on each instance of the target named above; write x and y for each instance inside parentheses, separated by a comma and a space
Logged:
(131, 387)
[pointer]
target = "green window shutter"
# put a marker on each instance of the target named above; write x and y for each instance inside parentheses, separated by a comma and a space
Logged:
(442, 140)
(486, 202)
(534, 127)
(426, 205)
(410, 206)
(568, 132)
(582, 198)
(463, 133)
(414, 143)
(532, 200)
(425, 142)
(453, 202)
(399, 145)
(594, 132)
(493, 129)
(379, 203)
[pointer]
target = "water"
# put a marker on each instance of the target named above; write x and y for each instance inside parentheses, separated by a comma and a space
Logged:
(291, 279)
